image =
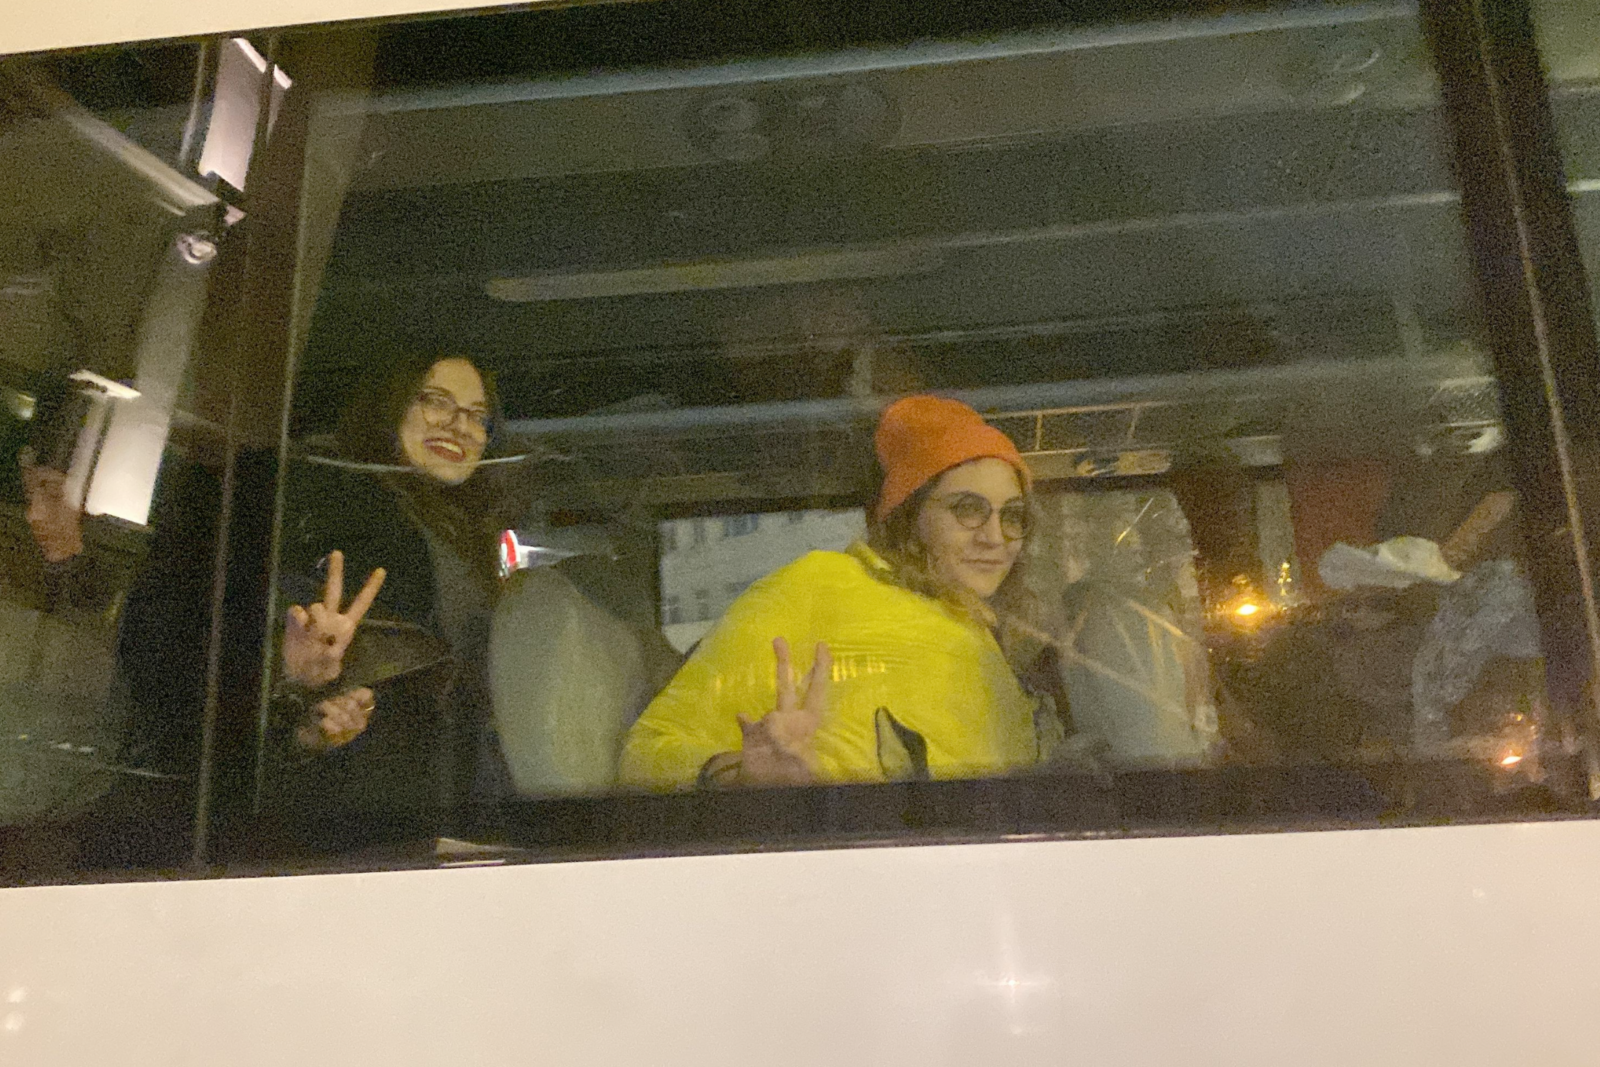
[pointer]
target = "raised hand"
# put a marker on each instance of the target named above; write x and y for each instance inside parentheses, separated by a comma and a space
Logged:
(777, 747)
(338, 721)
(315, 636)
(56, 524)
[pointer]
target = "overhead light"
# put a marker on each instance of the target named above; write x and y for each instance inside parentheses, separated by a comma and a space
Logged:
(716, 274)
(116, 390)
(236, 109)
(259, 61)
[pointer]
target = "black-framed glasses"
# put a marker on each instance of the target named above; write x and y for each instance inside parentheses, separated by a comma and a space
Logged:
(972, 510)
(440, 410)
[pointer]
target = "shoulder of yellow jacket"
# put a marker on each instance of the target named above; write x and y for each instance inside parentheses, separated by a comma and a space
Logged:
(821, 566)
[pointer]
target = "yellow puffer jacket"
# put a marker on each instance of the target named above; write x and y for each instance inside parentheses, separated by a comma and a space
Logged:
(940, 677)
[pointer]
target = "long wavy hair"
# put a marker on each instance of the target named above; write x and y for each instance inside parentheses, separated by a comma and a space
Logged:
(1012, 611)
(467, 516)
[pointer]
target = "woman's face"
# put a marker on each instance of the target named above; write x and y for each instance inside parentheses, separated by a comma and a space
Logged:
(977, 558)
(444, 431)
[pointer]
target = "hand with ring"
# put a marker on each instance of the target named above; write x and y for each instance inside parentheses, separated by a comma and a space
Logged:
(337, 721)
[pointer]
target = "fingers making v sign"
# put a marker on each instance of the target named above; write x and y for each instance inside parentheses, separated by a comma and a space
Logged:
(316, 636)
(777, 747)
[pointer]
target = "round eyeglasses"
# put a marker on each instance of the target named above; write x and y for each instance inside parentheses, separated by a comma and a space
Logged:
(972, 511)
(440, 410)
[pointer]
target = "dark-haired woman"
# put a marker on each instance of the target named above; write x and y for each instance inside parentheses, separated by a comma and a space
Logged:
(901, 670)
(382, 701)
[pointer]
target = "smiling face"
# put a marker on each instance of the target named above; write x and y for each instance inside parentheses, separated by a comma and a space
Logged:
(977, 558)
(445, 429)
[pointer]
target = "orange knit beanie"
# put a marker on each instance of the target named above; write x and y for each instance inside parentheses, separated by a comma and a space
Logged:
(921, 437)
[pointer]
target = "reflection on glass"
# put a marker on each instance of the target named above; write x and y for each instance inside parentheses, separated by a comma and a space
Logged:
(1205, 278)
(1126, 618)
(235, 110)
(102, 635)
(129, 457)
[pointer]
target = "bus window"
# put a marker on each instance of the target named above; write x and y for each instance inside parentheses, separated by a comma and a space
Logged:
(679, 428)
(1208, 279)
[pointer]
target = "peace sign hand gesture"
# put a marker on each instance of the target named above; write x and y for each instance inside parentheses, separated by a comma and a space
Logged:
(777, 747)
(315, 637)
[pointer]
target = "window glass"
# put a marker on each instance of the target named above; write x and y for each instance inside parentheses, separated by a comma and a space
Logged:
(672, 428)
(146, 94)
(1229, 489)
(716, 573)
(115, 388)
(1569, 35)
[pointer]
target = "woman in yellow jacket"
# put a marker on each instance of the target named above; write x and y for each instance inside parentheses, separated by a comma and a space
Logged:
(906, 677)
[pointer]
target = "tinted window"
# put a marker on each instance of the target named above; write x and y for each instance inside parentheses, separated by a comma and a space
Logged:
(116, 388)
(1223, 496)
